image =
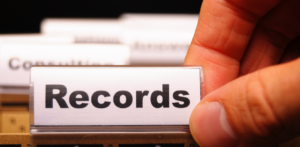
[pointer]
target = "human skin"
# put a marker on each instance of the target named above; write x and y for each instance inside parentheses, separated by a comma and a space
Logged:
(249, 50)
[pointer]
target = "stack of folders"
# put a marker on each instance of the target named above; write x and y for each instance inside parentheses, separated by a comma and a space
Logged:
(100, 82)
(130, 40)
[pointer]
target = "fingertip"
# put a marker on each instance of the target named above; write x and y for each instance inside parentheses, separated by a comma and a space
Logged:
(210, 127)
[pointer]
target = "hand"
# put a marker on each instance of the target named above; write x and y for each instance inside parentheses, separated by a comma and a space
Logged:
(249, 51)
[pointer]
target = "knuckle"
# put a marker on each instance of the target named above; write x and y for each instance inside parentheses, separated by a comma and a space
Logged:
(261, 119)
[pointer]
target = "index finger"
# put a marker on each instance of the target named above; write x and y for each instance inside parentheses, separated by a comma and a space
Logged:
(222, 34)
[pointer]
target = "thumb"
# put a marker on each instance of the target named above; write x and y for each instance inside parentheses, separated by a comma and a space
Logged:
(259, 109)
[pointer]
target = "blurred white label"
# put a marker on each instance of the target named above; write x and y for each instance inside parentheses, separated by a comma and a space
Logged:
(17, 59)
(158, 39)
(157, 47)
(84, 30)
(114, 95)
(155, 39)
(163, 22)
(36, 38)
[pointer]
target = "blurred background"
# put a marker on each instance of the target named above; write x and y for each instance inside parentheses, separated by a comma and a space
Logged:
(19, 16)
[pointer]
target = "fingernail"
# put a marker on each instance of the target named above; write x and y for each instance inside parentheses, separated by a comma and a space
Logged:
(210, 127)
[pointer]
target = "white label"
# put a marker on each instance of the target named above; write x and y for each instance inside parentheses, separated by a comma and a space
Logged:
(157, 47)
(155, 39)
(114, 95)
(174, 22)
(17, 59)
(36, 38)
(84, 30)
(158, 39)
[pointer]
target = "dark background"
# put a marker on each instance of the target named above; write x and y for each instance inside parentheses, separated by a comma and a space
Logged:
(25, 16)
